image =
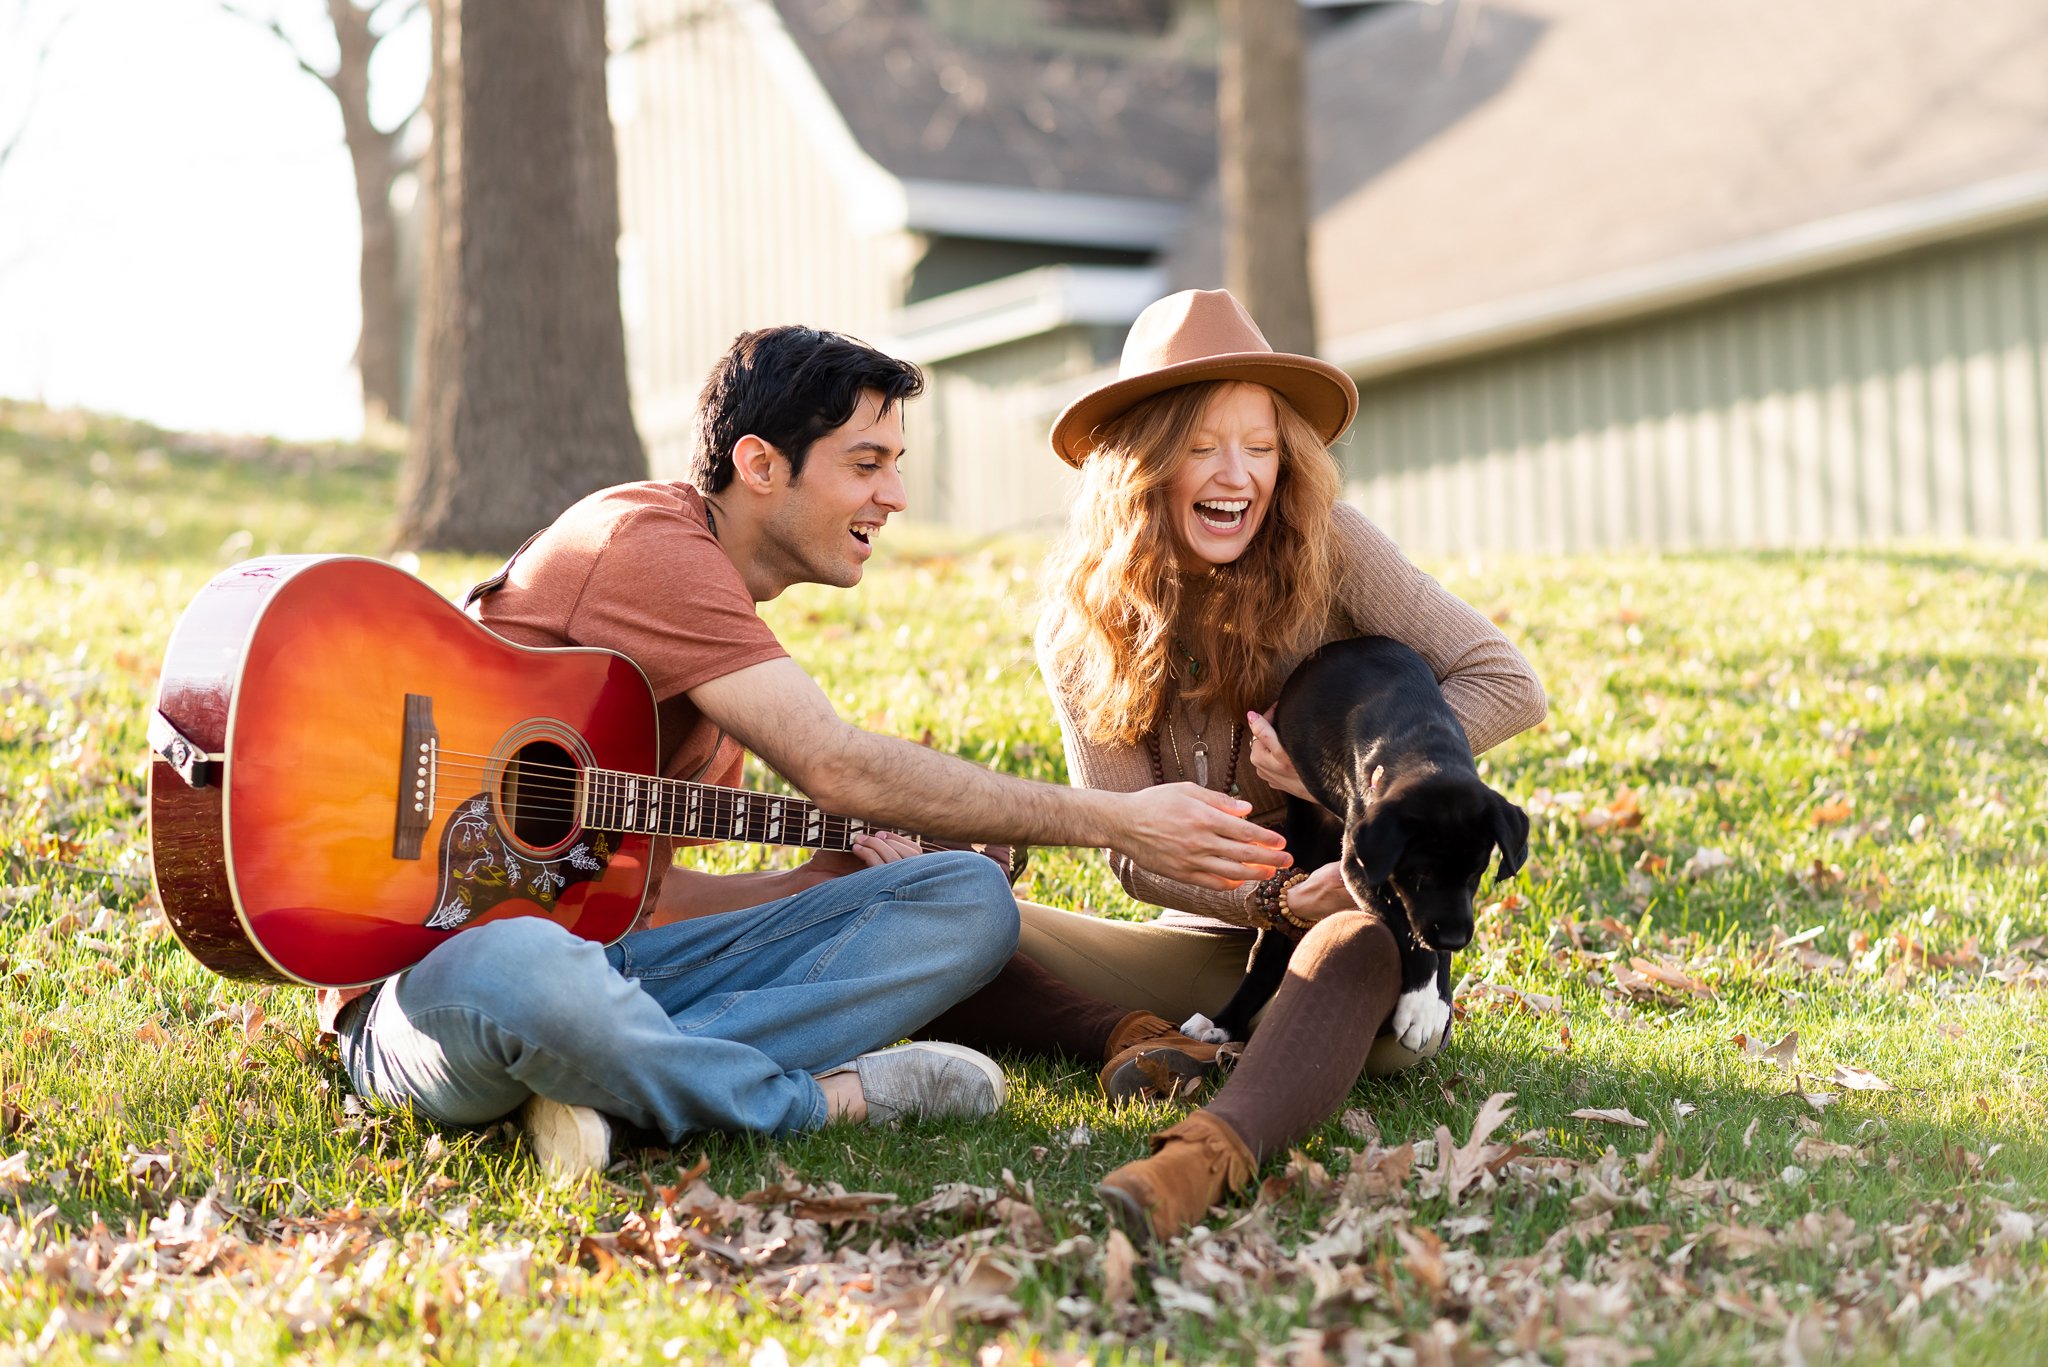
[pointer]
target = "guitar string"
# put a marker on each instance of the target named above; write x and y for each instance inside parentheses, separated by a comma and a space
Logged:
(566, 791)
(562, 801)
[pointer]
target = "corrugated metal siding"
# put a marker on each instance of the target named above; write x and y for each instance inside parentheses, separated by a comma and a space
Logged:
(1896, 401)
(738, 219)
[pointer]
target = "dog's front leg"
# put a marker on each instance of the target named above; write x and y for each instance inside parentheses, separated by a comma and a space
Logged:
(1420, 1013)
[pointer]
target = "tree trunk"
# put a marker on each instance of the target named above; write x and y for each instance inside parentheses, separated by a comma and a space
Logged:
(374, 153)
(520, 405)
(1264, 149)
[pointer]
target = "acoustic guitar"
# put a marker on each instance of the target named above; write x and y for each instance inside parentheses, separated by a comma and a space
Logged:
(346, 771)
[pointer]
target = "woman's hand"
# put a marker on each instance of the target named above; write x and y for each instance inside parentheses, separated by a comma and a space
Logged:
(1269, 759)
(870, 850)
(1320, 894)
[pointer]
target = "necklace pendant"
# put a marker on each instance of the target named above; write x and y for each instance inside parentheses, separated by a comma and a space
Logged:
(1202, 763)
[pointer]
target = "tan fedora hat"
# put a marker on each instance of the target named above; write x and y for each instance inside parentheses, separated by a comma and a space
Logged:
(1192, 337)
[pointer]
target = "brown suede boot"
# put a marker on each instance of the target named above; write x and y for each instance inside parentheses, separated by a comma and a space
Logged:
(1192, 1167)
(1149, 1052)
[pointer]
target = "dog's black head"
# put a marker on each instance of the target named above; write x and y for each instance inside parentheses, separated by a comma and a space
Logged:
(1428, 843)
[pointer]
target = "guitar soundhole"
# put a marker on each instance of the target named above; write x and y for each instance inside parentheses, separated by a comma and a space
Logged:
(538, 798)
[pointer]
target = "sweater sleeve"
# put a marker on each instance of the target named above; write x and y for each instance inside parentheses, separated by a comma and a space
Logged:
(1126, 769)
(1485, 679)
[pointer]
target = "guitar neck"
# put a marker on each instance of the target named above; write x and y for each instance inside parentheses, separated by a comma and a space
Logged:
(616, 801)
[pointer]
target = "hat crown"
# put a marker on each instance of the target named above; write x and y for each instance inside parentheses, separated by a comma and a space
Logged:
(1190, 326)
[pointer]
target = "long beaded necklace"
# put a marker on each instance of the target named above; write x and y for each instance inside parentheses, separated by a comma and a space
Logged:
(1200, 748)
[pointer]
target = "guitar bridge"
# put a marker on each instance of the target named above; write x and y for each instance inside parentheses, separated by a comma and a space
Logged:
(418, 759)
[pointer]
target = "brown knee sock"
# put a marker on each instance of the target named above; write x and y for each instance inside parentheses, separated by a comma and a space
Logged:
(1028, 1009)
(1307, 1052)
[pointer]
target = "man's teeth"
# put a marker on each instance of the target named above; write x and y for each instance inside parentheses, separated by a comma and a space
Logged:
(866, 531)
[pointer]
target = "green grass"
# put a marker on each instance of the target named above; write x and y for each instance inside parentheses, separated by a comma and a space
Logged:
(1862, 736)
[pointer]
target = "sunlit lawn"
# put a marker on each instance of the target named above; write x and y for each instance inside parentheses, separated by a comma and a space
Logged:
(1777, 794)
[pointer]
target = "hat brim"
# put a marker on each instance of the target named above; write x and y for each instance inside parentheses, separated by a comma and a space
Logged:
(1319, 391)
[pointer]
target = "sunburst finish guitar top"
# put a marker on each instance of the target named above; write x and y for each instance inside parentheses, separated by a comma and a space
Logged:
(347, 771)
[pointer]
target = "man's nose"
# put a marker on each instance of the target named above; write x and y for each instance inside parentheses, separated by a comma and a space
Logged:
(892, 495)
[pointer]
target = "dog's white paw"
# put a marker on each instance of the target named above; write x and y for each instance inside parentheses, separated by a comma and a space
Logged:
(1200, 1027)
(1419, 1018)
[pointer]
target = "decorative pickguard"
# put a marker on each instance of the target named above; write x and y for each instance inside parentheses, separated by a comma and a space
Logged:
(480, 868)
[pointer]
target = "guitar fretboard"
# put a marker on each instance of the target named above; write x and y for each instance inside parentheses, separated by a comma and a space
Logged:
(615, 801)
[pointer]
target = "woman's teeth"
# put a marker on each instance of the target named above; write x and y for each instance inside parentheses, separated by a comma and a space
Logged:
(1222, 515)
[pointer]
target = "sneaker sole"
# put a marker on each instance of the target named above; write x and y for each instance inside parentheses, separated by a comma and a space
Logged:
(1128, 1081)
(987, 1065)
(563, 1139)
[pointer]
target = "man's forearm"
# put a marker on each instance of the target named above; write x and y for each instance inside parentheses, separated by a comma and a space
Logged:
(920, 791)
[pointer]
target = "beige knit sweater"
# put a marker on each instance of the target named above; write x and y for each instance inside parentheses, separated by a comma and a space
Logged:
(1379, 593)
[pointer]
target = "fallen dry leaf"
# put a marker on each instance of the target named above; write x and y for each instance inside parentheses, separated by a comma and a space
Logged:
(1857, 1079)
(1617, 1116)
(1670, 977)
(1379, 1175)
(1785, 1053)
(1119, 1264)
(1461, 1167)
(1815, 1150)
(1832, 813)
(1706, 863)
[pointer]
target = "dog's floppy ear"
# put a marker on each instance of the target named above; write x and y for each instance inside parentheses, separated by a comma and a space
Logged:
(1511, 833)
(1374, 846)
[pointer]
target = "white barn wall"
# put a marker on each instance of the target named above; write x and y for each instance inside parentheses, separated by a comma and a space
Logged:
(736, 213)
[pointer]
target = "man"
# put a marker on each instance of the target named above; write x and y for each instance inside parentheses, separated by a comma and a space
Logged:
(740, 999)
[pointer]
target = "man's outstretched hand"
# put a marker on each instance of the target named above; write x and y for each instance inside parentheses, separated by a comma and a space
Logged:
(1187, 833)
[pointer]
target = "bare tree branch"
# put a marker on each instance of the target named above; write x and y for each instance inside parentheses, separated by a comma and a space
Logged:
(276, 30)
(12, 143)
(407, 9)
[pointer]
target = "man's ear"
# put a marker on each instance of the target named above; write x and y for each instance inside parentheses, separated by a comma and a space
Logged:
(757, 466)
(1511, 833)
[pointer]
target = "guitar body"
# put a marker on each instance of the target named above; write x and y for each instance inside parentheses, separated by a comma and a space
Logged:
(377, 772)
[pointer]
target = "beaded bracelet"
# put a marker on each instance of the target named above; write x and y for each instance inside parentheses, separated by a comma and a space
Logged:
(1269, 898)
(1287, 913)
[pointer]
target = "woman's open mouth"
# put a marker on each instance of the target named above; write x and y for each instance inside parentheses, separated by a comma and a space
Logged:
(1223, 516)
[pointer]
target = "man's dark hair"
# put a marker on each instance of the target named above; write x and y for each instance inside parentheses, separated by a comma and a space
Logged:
(789, 386)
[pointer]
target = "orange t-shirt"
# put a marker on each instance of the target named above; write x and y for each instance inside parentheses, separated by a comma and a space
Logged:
(635, 569)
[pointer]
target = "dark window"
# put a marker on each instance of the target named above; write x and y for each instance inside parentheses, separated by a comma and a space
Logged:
(1124, 16)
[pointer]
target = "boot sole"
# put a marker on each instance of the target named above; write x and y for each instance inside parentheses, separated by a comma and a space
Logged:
(1129, 1080)
(1129, 1216)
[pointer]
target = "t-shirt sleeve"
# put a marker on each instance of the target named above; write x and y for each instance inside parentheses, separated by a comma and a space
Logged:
(661, 592)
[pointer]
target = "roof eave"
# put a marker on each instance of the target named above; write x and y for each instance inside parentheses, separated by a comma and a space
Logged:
(1028, 304)
(1845, 240)
(1019, 213)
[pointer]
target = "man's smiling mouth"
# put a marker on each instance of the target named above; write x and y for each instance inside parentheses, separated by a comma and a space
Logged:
(865, 532)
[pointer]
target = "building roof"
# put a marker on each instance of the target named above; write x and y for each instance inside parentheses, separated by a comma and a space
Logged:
(936, 102)
(1466, 154)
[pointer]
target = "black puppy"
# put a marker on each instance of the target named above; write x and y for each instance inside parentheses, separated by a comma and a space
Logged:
(1400, 803)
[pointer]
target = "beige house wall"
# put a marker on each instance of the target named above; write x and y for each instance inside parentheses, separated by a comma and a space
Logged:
(739, 210)
(1896, 401)
(979, 459)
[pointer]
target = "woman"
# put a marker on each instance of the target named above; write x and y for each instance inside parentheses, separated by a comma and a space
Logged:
(1207, 555)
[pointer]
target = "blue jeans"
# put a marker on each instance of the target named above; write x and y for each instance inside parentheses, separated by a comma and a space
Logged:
(710, 1024)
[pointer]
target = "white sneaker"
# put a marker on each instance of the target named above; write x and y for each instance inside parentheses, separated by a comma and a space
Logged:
(568, 1141)
(925, 1080)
